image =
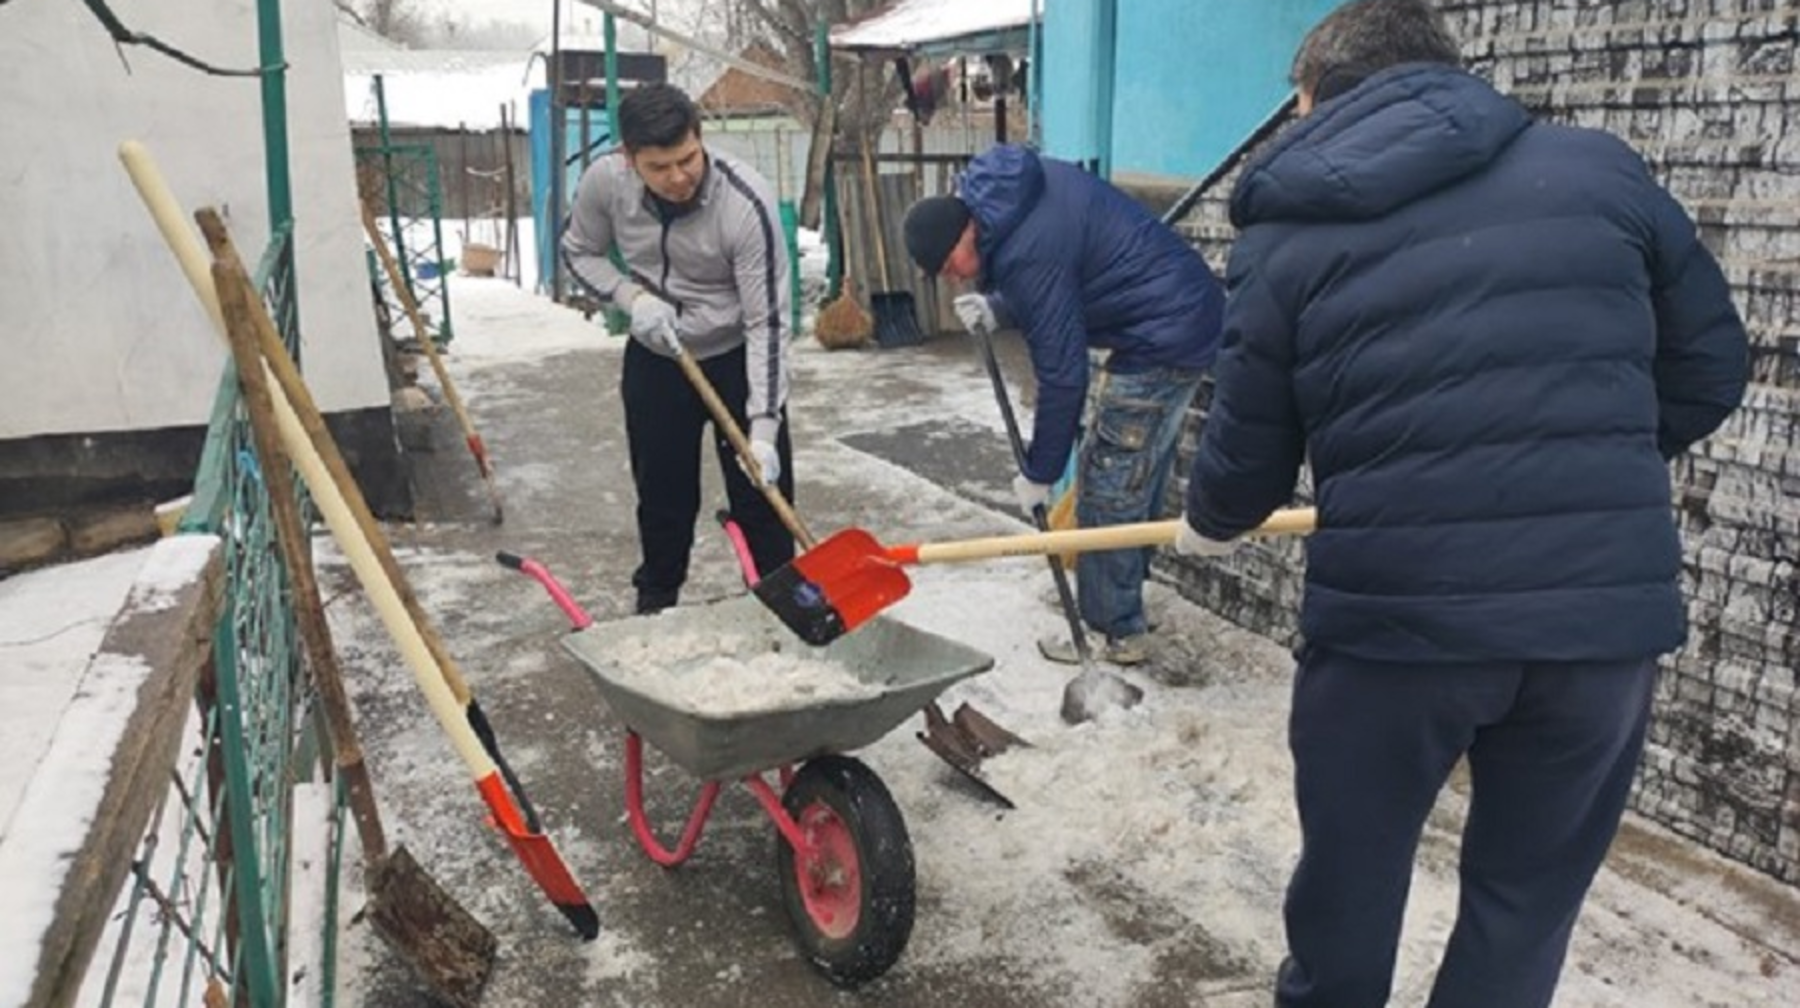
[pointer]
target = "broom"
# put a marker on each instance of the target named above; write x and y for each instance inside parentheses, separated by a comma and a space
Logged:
(843, 324)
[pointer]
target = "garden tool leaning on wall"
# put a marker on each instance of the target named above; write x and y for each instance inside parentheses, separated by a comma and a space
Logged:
(533, 849)
(444, 944)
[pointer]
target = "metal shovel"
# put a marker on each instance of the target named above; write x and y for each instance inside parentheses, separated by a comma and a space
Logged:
(1094, 690)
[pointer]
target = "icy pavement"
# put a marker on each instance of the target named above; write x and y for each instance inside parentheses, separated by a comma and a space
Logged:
(1144, 865)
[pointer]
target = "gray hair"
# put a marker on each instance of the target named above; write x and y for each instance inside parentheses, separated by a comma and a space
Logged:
(1367, 36)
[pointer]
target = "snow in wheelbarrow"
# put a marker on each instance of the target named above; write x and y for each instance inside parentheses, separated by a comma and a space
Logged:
(725, 690)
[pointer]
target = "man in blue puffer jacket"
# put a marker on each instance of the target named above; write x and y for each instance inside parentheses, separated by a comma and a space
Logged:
(1488, 336)
(1078, 265)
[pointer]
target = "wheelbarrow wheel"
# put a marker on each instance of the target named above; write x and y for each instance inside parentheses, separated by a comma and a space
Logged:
(851, 899)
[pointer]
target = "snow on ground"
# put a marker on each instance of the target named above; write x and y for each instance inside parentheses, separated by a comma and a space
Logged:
(64, 705)
(1134, 834)
(1157, 836)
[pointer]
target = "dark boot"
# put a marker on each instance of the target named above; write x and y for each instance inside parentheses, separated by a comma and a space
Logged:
(651, 602)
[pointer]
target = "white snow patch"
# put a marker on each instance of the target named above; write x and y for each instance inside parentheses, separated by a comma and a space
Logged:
(57, 809)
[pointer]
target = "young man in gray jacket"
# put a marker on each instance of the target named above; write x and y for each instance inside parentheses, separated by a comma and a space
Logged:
(705, 270)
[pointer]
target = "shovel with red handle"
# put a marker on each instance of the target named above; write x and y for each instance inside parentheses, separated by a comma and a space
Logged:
(841, 583)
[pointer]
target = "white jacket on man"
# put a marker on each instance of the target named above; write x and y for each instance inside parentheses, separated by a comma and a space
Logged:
(722, 261)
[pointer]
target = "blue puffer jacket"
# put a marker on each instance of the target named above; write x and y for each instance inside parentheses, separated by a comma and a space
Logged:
(1077, 264)
(1487, 335)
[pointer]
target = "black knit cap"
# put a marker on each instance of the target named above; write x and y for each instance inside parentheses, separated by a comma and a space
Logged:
(933, 227)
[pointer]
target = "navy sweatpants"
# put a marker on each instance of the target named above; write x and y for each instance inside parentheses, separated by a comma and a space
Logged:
(1552, 749)
(665, 424)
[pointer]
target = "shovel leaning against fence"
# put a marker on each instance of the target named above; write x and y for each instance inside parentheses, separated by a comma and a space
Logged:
(471, 436)
(534, 850)
(445, 945)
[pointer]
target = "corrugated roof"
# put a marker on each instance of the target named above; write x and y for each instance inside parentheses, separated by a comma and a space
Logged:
(913, 23)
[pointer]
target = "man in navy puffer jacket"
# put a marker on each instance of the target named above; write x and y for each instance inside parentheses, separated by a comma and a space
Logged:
(1077, 264)
(1487, 336)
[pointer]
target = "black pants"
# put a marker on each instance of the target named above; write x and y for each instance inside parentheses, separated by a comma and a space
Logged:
(665, 420)
(1552, 748)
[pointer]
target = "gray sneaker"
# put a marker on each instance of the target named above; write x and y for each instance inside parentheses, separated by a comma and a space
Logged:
(1121, 651)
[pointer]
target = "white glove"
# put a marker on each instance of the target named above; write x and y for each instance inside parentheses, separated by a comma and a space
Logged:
(762, 448)
(768, 460)
(1031, 495)
(653, 321)
(975, 313)
(1192, 544)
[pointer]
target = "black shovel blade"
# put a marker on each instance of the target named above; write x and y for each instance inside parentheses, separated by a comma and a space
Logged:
(896, 322)
(800, 604)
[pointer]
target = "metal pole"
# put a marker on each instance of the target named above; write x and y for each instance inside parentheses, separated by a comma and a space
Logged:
(828, 222)
(274, 110)
(611, 28)
(393, 189)
(554, 213)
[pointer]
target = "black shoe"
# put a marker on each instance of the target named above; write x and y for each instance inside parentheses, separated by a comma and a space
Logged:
(651, 603)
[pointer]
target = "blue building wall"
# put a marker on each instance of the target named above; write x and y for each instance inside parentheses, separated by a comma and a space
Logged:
(1189, 78)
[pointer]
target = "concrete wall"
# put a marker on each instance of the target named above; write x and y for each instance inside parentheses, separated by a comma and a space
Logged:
(98, 329)
(1707, 90)
(1190, 79)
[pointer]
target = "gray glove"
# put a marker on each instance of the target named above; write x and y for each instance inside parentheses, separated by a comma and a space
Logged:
(975, 313)
(1192, 544)
(653, 323)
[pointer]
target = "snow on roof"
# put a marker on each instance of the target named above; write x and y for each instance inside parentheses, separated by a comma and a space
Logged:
(440, 88)
(913, 23)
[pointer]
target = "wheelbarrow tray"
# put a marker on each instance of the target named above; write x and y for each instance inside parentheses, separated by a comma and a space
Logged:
(903, 667)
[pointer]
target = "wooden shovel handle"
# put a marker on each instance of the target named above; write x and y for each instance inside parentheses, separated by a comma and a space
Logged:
(1292, 521)
(397, 281)
(727, 425)
(293, 386)
(235, 294)
(166, 212)
(873, 198)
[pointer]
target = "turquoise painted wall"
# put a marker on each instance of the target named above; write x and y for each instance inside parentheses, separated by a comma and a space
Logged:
(1072, 47)
(1192, 77)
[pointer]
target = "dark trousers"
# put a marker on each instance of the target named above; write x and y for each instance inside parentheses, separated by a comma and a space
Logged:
(665, 422)
(1552, 749)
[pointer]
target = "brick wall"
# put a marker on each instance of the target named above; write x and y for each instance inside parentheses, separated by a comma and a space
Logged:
(1707, 90)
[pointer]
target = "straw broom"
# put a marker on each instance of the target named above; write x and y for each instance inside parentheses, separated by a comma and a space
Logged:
(843, 324)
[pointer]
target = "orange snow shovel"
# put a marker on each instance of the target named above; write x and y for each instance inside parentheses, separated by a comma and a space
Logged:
(839, 584)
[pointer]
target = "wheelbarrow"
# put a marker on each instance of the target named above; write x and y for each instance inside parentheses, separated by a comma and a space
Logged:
(728, 694)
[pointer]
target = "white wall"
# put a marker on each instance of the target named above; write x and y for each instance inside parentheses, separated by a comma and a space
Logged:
(98, 329)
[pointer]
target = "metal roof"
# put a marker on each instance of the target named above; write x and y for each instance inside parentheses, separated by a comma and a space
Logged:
(915, 24)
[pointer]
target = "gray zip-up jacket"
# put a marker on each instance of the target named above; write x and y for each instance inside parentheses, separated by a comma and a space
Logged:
(723, 263)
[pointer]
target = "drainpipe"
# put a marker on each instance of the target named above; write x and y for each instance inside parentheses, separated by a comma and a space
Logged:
(558, 128)
(1106, 69)
(1034, 52)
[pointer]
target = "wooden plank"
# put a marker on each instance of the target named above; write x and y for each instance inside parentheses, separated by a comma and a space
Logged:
(165, 626)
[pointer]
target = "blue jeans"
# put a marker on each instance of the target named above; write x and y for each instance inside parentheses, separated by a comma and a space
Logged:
(1125, 462)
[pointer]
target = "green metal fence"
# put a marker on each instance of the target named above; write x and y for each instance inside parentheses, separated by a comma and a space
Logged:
(210, 906)
(401, 185)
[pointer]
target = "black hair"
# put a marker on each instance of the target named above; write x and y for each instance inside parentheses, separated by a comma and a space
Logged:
(1367, 36)
(657, 115)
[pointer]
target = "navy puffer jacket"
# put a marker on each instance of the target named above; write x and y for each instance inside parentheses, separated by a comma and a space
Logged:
(1487, 335)
(1079, 264)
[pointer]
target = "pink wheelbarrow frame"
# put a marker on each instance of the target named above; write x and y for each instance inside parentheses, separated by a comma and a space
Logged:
(842, 848)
